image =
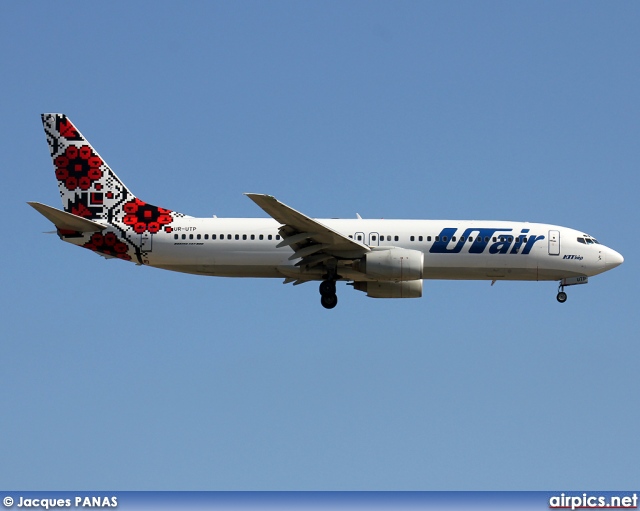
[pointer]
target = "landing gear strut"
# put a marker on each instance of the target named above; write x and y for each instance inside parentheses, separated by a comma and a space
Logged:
(569, 281)
(329, 298)
(562, 296)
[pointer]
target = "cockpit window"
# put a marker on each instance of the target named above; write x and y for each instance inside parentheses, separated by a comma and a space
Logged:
(588, 240)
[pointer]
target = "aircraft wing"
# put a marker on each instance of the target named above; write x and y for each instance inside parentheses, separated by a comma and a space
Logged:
(311, 241)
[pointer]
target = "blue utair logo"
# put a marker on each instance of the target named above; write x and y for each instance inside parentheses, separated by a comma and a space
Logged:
(482, 237)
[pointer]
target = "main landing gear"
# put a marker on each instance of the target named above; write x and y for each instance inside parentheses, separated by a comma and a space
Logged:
(561, 296)
(329, 298)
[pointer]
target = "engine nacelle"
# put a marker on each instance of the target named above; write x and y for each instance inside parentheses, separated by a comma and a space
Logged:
(395, 264)
(404, 289)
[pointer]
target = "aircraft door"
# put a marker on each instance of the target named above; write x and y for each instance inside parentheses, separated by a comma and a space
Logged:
(359, 236)
(554, 243)
(146, 242)
(374, 239)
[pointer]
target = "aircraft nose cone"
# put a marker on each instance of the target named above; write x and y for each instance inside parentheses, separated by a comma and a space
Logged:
(613, 259)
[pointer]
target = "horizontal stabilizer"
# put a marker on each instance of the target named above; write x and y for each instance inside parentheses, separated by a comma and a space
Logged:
(63, 220)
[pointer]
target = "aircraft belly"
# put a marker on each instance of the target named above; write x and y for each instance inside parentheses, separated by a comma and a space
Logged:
(254, 271)
(201, 260)
(465, 273)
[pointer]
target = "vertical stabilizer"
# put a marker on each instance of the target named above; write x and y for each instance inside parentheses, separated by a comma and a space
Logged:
(91, 190)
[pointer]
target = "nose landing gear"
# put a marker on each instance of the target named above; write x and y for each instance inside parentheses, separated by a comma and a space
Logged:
(561, 296)
(570, 281)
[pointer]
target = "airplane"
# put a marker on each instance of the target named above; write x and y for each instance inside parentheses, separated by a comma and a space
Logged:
(382, 258)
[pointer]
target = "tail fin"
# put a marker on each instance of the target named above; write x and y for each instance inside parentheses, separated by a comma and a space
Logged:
(90, 189)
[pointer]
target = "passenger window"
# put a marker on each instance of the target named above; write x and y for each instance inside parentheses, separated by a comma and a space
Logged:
(486, 239)
(261, 236)
(412, 238)
(253, 236)
(359, 237)
(470, 238)
(277, 236)
(445, 238)
(428, 238)
(396, 238)
(495, 239)
(184, 236)
(373, 238)
(350, 236)
(437, 238)
(213, 236)
(190, 236)
(419, 238)
(206, 236)
(461, 238)
(228, 236)
(270, 237)
(453, 238)
(244, 236)
(175, 236)
(199, 236)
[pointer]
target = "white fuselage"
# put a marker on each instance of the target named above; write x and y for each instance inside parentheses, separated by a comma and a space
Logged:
(453, 249)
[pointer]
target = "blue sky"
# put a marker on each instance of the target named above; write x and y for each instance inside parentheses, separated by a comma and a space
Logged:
(121, 377)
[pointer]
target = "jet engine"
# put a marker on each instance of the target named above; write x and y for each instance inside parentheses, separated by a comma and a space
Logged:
(377, 289)
(394, 264)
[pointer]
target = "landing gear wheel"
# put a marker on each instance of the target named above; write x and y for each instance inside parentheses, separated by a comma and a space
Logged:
(562, 297)
(328, 287)
(329, 301)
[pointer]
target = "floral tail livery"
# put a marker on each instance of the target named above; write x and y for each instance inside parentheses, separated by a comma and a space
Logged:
(384, 258)
(100, 213)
